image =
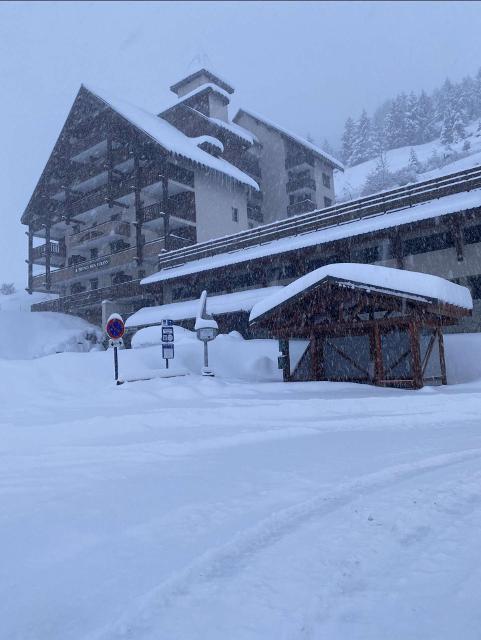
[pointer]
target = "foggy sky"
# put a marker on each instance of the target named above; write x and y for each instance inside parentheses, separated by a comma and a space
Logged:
(305, 65)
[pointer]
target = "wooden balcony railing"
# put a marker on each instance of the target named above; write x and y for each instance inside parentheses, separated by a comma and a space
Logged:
(300, 207)
(302, 182)
(299, 159)
(112, 230)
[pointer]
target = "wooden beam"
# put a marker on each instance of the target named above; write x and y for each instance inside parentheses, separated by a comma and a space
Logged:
(442, 360)
(47, 257)
(138, 206)
(378, 362)
(416, 355)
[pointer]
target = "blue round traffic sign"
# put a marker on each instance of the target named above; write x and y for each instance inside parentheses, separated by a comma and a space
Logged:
(115, 328)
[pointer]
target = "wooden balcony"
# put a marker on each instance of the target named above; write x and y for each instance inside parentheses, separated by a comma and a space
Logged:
(57, 254)
(100, 233)
(180, 206)
(125, 291)
(302, 182)
(298, 160)
(301, 207)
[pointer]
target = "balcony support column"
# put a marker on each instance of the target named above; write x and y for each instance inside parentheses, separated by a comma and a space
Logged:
(138, 208)
(110, 169)
(47, 256)
(165, 209)
(30, 257)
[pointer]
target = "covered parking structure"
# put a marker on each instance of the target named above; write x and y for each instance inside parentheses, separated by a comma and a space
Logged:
(363, 323)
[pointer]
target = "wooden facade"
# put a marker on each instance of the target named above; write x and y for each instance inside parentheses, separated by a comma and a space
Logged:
(353, 334)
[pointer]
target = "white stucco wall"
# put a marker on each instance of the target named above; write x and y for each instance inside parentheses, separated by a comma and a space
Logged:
(214, 199)
(273, 170)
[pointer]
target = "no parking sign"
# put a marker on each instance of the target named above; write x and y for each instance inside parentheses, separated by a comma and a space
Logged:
(115, 329)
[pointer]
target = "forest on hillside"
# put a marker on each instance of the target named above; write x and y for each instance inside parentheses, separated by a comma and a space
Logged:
(413, 119)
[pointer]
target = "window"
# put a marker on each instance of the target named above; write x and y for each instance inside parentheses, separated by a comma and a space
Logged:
(366, 254)
(326, 180)
(235, 214)
(474, 283)
(94, 284)
(472, 234)
(424, 244)
(94, 253)
(327, 201)
(119, 245)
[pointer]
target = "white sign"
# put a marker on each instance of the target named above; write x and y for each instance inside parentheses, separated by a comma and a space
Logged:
(206, 334)
(167, 351)
(167, 334)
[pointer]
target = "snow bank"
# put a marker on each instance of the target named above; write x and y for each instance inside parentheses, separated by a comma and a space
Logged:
(463, 357)
(24, 336)
(22, 301)
(408, 283)
(230, 356)
(349, 185)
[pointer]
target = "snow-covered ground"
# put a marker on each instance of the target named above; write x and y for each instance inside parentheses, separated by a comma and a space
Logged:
(349, 185)
(192, 508)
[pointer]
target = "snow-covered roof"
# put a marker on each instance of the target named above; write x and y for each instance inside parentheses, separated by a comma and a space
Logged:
(431, 209)
(410, 284)
(207, 86)
(215, 77)
(171, 138)
(234, 128)
(226, 303)
(293, 136)
(208, 140)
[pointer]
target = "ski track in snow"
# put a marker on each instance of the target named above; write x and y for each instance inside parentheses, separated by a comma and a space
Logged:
(230, 557)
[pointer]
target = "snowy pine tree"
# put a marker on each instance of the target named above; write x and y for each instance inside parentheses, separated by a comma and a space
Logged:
(347, 142)
(362, 147)
(414, 164)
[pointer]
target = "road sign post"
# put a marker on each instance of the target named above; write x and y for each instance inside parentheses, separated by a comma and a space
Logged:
(115, 329)
(167, 341)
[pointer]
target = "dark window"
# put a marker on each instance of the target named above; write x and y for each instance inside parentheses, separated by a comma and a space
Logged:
(474, 283)
(94, 253)
(94, 283)
(366, 255)
(77, 287)
(327, 201)
(326, 180)
(235, 214)
(120, 277)
(424, 244)
(472, 234)
(119, 245)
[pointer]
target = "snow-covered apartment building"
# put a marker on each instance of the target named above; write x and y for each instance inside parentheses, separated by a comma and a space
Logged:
(123, 186)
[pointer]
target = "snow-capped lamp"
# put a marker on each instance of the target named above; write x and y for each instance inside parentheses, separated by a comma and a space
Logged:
(206, 329)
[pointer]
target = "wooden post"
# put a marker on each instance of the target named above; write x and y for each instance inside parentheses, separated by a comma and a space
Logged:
(110, 168)
(47, 256)
(165, 207)
(313, 346)
(457, 233)
(415, 355)
(396, 250)
(138, 208)
(378, 363)
(442, 360)
(30, 257)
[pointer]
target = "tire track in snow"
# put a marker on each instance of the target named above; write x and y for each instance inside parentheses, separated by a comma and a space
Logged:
(228, 558)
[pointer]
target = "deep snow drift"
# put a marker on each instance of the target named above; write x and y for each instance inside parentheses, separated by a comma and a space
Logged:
(192, 508)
